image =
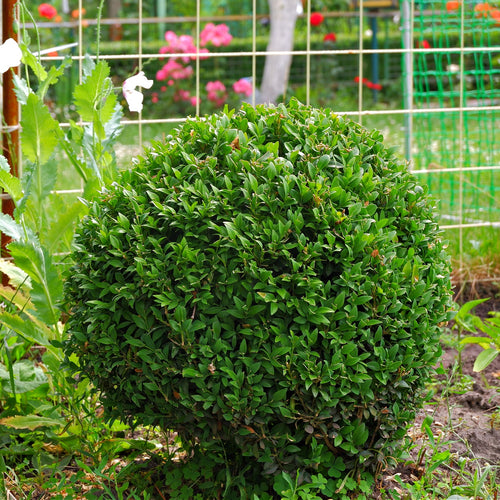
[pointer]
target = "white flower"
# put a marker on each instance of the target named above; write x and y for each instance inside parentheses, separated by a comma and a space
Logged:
(133, 97)
(10, 55)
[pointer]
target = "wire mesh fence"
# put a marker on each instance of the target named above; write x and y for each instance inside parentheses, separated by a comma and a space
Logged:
(427, 73)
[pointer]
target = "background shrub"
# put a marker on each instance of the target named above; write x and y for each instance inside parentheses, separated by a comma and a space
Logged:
(269, 284)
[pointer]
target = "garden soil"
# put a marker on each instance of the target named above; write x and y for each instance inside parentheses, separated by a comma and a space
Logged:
(465, 418)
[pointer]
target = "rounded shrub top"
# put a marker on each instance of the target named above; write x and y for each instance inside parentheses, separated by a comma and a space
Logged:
(269, 280)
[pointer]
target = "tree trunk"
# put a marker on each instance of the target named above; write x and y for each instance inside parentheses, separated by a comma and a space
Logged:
(283, 14)
(115, 30)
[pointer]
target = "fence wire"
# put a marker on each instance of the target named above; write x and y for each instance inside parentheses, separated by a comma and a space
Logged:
(425, 72)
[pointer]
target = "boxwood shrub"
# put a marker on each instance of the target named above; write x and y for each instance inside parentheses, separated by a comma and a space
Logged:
(270, 285)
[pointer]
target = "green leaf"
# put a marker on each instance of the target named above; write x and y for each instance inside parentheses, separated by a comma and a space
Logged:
(94, 98)
(10, 184)
(21, 89)
(31, 422)
(476, 340)
(52, 77)
(280, 394)
(485, 358)
(4, 164)
(40, 180)
(191, 373)
(118, 445)
(27, 376)
(35, 64)
(464, 317)
(40, 132)
(63, 226)
(10, 227)
(46, 283)
(30, 331)
(17, 277)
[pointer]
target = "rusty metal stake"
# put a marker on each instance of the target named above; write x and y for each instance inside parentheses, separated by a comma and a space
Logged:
(10, 129)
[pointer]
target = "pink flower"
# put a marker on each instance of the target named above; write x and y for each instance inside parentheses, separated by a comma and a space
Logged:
(170, 37)
(154, 98)
(217, 35)
(174, 71)
(182, 95)
(316, 19)
(194, 100)
(161, 74)
(215, 86)
(179, 45)
(46, 10)
(243, 86)
(216, 92)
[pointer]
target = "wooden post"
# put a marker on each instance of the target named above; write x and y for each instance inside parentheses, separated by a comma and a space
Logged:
(10, 128)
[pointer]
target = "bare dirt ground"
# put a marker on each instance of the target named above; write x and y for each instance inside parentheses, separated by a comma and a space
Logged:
(465, 419)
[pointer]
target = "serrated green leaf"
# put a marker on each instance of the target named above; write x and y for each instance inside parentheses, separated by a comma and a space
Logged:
(46, 283)
(52, 77)
(21, 89)
(29, 330)
(31, 60)
(11, 184)
(39, 181)
(4, 164)
(40, 132)
(17, 277)
(94, 98)
(63, 226)
(10, 227)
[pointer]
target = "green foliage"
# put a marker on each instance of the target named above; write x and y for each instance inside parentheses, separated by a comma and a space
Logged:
(469, 322)
(269, 284)
(40, 408)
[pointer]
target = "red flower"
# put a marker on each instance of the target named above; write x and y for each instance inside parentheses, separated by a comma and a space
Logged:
(368, 83)
(374, 86)
(330, 37)
(495, 14)
(365, 80)
(46, 10)
(452, 6)
(482, 9)
(316, 19)
(424, 44)
(75, 14)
